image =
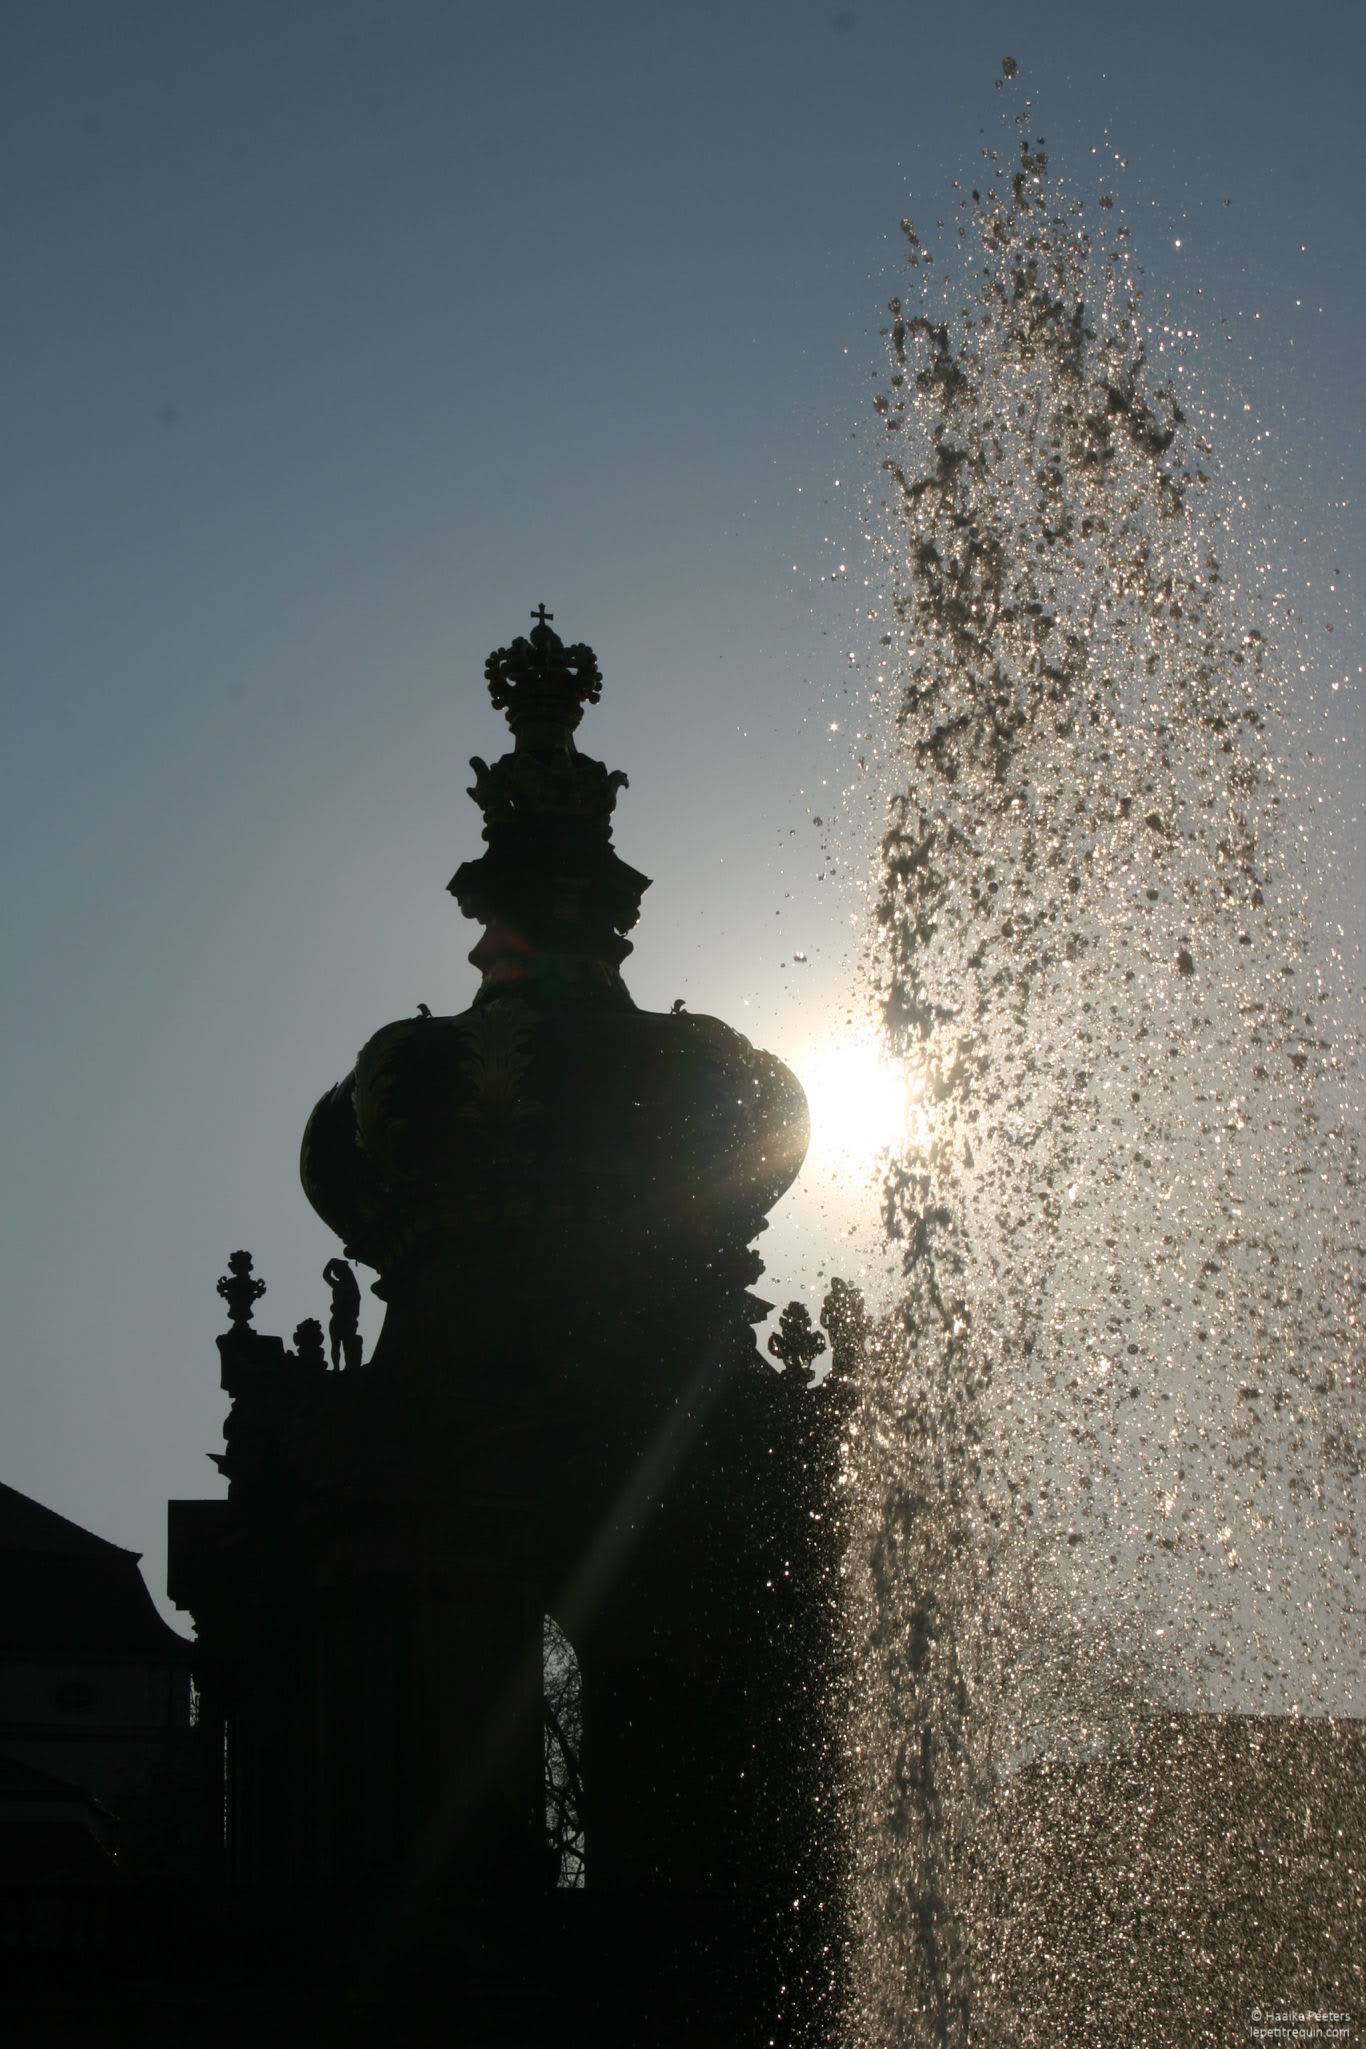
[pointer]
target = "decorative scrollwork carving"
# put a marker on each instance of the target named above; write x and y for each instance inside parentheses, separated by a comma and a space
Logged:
(796, 1345)
(497, 1054)
(523, 786)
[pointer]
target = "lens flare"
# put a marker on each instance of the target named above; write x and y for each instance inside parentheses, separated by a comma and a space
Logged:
(864, 1104)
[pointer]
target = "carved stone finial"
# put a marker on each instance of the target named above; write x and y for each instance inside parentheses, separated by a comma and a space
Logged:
(796, 1345)
(240, 1288)
(308, 1345)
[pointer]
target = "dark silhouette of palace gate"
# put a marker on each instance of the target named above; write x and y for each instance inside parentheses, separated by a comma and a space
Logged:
(566, 1414)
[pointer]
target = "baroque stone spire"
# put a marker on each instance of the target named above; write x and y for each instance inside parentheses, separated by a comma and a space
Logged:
(553, 1095)
(554, 897)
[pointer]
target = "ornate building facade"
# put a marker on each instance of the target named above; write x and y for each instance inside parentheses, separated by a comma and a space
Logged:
(567, 1416)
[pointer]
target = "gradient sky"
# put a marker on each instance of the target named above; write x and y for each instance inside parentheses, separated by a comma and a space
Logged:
(339, 335)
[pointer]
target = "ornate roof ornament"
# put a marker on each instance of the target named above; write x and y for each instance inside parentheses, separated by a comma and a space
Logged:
(554, 898)
(539, 682)
(796, 1344)
(542, 686)
(240, 1288)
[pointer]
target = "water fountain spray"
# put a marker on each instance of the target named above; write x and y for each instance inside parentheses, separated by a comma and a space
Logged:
(1102, 1468)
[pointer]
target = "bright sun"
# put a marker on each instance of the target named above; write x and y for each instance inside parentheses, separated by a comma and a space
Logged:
(863, 1104)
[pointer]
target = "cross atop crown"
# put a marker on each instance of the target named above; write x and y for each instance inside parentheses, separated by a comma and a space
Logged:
(541, 616)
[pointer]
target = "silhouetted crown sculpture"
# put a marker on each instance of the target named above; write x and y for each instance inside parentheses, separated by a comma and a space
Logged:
(566, 1414)
(552, 1096)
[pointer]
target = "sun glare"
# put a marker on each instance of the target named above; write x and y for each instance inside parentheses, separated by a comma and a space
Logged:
(863, 1104)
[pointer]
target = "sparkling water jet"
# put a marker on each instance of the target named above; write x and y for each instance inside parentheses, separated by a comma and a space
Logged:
(1105, 1505)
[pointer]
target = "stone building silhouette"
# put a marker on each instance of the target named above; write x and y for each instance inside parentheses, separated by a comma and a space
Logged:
(566, 1415)
(100, 1762)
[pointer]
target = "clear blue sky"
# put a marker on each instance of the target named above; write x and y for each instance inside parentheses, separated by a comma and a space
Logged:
(338, 336)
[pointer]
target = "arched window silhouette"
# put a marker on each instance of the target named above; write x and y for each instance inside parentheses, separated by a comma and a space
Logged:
(562, 1693)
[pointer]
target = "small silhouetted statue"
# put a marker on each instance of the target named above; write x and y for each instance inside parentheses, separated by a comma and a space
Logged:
(342, 1328)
